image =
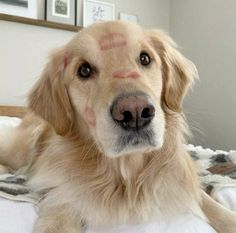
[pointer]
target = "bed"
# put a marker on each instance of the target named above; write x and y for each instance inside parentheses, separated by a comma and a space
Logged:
(17, 213)
(217, 172)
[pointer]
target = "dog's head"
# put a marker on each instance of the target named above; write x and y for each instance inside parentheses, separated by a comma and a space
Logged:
(114, 82)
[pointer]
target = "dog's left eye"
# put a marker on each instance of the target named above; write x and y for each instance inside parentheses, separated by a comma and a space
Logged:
(85, 71)
(144, 58)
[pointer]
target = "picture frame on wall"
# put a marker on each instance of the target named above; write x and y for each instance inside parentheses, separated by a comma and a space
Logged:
(97, 11)
(128, 17)
(61, 11)
(24, 8)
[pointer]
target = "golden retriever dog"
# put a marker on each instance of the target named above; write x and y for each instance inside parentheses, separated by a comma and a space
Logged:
(104, 135)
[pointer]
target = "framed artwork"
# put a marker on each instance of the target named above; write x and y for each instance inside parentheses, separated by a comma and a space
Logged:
(24, 8)
(61, 11)
(97, 11)
(129, 17)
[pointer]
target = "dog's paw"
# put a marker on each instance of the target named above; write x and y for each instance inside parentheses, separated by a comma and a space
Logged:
(54, 224)
(50, 229)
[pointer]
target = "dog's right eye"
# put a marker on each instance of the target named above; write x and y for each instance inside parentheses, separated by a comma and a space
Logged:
(145, 59)
(85, 71)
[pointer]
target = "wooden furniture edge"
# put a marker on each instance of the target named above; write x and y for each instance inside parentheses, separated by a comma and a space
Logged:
(39, 22)
(12, 111)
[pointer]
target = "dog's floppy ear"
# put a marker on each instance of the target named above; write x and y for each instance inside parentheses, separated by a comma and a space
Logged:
(178, 71)
(49, 97)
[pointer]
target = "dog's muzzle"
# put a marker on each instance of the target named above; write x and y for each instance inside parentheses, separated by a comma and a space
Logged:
(132, 112)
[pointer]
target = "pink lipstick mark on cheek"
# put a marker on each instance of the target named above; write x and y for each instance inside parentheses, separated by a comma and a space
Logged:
(65, 61)
(112, 40)
(125, 74)
(90, 116)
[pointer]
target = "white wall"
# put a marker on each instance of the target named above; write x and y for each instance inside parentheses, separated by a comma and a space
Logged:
(24, 48)
(151, 13)
(23, 52)
(206, 29)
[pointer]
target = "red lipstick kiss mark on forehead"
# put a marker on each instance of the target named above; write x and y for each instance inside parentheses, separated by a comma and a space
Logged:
(122, 74)
(112, 40)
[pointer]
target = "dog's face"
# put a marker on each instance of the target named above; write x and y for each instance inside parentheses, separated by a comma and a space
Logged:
(115, 82)
(116, 88)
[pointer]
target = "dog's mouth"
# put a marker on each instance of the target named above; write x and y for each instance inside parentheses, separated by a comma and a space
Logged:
(136, 140)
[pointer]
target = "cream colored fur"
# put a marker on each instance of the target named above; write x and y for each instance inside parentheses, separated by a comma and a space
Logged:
(60, 151)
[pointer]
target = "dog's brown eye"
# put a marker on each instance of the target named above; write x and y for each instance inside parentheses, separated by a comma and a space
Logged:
(85, 71)
(144, 59)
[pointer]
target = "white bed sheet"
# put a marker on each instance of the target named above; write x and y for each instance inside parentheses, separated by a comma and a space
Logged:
(226, 196)
(180, 224)
(16, 217)
(19, 217)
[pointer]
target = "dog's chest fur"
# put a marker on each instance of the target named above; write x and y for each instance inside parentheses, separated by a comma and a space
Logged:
(119, 203)
(125, 190)
(131, 189)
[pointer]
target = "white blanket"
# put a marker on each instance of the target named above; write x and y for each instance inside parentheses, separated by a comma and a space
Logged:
(18, 217)
(179, 224)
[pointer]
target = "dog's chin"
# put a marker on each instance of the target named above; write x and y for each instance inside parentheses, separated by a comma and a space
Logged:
(134, 143)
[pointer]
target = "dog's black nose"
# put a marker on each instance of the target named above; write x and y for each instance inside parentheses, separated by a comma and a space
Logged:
(132, 112)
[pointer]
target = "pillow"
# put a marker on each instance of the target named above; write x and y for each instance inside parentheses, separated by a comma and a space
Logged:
(9, 121)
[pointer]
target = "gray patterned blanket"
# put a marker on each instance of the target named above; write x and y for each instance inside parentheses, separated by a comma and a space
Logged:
(13, 187)
(216, 169)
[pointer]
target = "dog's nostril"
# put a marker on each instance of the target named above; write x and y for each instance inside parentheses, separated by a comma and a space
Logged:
(146, 113)
(127, 116)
